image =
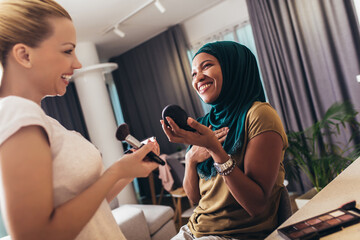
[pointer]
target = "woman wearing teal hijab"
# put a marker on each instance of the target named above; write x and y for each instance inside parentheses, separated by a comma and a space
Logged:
(234, 166)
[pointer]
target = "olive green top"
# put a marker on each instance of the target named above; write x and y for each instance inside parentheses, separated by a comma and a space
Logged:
(218, 213)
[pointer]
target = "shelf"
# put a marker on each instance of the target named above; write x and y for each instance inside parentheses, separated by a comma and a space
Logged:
(103, 67)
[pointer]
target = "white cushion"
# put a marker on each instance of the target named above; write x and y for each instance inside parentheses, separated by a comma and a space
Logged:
(166, 232)
(156, 215)
(132, 222)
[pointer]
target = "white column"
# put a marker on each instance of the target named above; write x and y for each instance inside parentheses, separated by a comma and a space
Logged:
(97, 109)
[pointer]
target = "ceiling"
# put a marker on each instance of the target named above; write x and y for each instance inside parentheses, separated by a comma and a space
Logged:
(94, 20)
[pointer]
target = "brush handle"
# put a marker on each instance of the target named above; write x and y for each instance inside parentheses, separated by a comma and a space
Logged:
(153, 157)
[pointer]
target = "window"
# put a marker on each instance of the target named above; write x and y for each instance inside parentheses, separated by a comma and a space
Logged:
(357, 9)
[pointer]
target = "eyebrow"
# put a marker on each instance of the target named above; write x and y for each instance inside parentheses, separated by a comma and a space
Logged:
(66, 43)
(202, 63)
(207, 60)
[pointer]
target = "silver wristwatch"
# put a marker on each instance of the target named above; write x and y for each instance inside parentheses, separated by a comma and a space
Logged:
(226, 167)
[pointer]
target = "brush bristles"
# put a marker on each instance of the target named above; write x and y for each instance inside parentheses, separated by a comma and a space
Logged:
(122, 132)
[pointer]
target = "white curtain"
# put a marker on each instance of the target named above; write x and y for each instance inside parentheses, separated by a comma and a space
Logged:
(2, 227)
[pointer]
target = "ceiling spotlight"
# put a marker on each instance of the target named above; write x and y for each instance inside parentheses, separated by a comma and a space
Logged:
(159, 6)
(118, 32)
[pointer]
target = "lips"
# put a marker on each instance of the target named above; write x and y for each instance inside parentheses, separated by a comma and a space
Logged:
(203, 87)
(66, 77)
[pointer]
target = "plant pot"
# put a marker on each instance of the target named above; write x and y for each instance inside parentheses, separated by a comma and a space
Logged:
(305, 198)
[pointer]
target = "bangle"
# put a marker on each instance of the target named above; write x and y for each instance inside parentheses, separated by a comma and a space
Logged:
(225, 168)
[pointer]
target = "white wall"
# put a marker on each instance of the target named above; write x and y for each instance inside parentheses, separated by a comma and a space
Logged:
(226, 14)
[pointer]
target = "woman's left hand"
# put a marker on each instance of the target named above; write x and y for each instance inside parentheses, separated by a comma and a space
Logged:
(200, 154)
(203, 136)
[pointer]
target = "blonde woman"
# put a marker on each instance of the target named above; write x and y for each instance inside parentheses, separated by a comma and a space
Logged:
(52, 181)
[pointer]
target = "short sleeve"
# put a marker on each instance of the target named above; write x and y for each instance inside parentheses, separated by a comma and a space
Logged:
(17, 112)
(262, 118)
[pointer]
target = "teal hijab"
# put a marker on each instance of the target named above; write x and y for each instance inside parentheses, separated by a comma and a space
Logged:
(241, 88)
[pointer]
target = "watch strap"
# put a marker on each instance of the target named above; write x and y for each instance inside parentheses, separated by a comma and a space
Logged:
(225, 168)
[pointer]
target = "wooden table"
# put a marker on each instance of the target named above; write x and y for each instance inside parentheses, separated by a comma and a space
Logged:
(344, 188)
(152, 188)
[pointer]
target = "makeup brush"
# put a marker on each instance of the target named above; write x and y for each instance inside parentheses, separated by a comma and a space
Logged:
(123, 134)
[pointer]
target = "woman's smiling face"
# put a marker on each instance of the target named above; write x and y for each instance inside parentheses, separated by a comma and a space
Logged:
(54, 61)
(207, 78)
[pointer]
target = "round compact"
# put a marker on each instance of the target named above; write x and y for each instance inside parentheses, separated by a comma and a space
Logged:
(179, 116)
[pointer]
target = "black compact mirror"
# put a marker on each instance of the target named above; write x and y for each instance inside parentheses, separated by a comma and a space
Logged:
(179, 116)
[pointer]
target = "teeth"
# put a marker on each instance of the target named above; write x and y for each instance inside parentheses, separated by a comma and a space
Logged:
(66, 77)
(204, 86)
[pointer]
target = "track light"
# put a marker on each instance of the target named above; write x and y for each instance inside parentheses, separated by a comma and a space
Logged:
(115, 27)
(159, 6)
(118, 32)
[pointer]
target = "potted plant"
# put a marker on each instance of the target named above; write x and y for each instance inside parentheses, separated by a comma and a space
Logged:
(317, 153)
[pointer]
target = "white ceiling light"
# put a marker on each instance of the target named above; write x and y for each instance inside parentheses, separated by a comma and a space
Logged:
(159, 6)
(118, 32)
(115, 28)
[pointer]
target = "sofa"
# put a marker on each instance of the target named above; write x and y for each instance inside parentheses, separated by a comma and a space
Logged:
(143, 222)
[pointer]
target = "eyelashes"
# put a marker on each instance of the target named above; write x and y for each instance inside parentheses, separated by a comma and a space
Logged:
(68, 51)
(205, 66)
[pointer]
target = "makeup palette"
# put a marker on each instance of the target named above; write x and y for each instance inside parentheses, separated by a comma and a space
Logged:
(321, 225)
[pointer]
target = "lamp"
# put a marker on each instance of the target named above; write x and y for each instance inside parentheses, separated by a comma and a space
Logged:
(118, 32)
(115, 28)
(159, 6)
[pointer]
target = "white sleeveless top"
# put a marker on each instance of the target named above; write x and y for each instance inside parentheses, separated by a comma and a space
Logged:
(76, 162)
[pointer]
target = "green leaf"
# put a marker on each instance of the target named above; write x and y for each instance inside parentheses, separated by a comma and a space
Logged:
(318, 157)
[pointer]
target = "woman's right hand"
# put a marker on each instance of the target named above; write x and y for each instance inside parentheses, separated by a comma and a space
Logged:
(136, 164)
(200, 154)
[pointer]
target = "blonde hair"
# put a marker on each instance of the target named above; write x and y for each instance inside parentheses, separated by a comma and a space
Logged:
(25, 21)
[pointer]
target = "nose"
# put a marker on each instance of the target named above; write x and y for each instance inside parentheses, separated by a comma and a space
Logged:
(199, 77)
(76, 63)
